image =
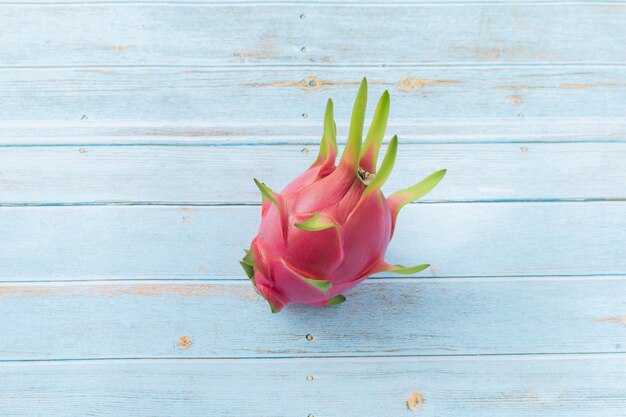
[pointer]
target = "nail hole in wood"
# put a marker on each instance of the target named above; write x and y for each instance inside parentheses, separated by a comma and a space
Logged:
(304, 115)
(309, 378)
(303, 49)
(309, 337)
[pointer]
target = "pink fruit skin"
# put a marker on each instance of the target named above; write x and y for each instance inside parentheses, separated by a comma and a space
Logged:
(330, 227)
(343, 256)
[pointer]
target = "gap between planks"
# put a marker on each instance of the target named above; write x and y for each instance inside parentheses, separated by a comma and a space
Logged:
(372, 4)
(300, 66)
(313, 359)
(369, 281)
(44, 204)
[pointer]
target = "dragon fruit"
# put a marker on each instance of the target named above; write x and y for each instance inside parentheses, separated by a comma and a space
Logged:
(329, 228)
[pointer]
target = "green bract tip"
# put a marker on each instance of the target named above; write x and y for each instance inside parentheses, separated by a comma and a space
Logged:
(267, 193)
(328, 145)
(419, 190)
(338, 299)
(375, 134)
(352, 152)
(399, 269)
(248, 259)
(274, 309)
(316, 223)
(323, 286)
(248, 269)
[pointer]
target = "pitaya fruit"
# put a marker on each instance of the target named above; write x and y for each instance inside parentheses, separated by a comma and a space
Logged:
(329, 228)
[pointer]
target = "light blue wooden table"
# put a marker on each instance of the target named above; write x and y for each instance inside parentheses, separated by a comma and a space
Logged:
(129, 135)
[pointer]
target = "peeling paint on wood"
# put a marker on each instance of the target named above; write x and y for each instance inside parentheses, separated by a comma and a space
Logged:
(565, 86)
(119, 48)
(528, 396)
(413, 83)
(518, 87)
(615, 320)
(201, 133)
(312, 83)
(579, 86)
(516, 99)
(494, 53)
(256, 54)
(135, 290)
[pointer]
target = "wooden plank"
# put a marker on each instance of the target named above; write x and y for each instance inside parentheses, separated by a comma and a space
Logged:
(172, 242)
(217, 34)
(307, 131)
(303, 3)
(214, 175)
(579, 386)
(381, 317)
(276, 94)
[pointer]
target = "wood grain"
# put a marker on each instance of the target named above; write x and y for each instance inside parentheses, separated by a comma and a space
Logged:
(564, 386)
(302, 3)
(223, 174)
(277, 94)
(306, 131)
(178, 242)
(332, 34)
(404, 317)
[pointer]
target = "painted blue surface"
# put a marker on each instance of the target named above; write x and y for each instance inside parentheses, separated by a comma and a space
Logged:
(129, 134)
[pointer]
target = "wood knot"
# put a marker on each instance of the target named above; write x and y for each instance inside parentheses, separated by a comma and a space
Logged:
(185, 342)
(415, 401)
(120, 48)
(310, 83)
(414, 83)
(407, 84)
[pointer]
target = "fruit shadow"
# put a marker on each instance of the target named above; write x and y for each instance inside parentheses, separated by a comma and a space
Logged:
(373, 310)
